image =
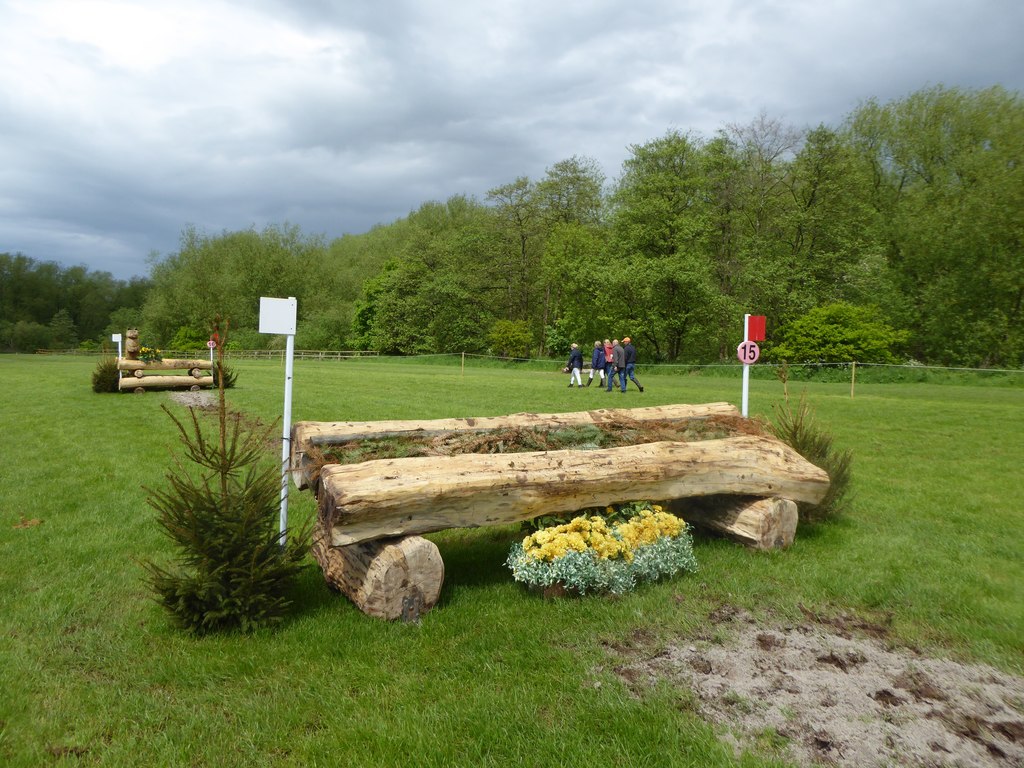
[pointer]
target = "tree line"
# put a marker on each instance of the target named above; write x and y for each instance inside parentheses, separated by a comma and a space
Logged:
(46, 306)
(899, 231)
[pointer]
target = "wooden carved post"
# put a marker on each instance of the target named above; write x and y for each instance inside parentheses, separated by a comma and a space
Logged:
(131, 345)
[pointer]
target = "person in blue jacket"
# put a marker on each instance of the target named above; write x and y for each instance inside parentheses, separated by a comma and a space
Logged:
(596, 363)
(575, 365)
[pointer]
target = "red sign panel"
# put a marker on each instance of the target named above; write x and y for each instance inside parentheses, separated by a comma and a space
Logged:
(755, 328)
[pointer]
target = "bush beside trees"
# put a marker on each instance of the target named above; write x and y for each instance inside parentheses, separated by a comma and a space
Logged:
(838, 333)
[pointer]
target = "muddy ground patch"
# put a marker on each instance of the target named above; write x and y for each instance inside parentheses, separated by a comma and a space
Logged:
(834, 691)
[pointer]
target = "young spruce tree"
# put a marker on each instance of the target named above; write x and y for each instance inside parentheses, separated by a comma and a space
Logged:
(235, 570)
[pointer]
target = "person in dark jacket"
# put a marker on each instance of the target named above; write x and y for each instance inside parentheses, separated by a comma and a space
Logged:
(618, 364)
(630, 350)
(596, 363)
(575, 365)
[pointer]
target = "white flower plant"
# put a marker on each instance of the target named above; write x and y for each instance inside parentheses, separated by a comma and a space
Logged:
(588, 554)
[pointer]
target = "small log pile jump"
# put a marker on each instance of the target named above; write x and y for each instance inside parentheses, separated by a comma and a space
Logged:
(140, 376)
(371, 514)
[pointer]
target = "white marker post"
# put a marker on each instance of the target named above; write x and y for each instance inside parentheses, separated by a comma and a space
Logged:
(277, 316)
(117, 337)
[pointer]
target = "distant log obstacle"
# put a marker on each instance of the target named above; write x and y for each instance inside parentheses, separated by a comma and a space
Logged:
(200, 374)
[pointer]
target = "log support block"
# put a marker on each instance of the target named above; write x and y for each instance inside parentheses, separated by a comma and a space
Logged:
(389, 579)
(758, 523)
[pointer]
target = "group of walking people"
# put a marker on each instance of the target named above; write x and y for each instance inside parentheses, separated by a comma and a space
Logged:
(607, 361)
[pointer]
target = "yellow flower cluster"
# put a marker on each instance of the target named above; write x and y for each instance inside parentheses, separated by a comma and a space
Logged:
(648, 526)
(584, 533)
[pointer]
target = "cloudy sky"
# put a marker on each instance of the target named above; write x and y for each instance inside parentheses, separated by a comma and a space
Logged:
(124, 121)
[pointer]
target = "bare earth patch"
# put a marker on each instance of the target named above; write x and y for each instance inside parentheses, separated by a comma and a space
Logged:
(830, 692)
(200, 399)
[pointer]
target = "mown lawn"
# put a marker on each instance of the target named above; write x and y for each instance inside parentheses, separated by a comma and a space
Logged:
(93, 672)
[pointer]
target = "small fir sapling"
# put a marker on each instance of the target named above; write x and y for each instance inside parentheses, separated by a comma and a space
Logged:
(235, 569)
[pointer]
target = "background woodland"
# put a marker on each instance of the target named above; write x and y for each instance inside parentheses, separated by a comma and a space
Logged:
(895, 236)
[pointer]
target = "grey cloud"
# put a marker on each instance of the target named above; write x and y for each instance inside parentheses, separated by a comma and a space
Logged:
(385, 106)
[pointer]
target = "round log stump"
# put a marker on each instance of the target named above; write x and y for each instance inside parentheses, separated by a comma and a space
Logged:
(397, 578)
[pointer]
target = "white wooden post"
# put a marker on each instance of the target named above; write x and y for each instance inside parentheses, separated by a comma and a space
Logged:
(746, 368)
(278, 316)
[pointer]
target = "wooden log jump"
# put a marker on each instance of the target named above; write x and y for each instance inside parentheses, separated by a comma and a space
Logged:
(200, 374)
(136, 383)
(370, 514)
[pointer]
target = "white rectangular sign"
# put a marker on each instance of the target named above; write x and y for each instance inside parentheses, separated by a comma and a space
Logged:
(278, 315)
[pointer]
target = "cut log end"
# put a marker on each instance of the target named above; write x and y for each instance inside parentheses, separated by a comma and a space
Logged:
(759, 523)
(387, 578)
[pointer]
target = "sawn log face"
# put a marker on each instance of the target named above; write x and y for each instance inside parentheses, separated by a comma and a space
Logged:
(398, 497)
(760, 523)
(389, 578)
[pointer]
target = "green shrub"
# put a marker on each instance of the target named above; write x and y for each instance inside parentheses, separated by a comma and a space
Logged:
(188, 338)
(510, 338)
(799, 431)
(235, 572)
(105, 376)
(838, 333)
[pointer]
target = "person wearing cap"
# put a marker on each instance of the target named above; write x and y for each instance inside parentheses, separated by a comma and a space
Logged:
(630, 350)
(575, 365)
(596, 362)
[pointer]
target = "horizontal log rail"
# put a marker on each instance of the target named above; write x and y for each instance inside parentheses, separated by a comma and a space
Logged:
(308, 434)
(399, 497)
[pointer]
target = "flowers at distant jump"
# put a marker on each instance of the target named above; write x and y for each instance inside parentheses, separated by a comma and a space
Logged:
(150, 355)
(589, 554)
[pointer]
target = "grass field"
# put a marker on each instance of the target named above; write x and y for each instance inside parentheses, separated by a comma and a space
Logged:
(94, 674)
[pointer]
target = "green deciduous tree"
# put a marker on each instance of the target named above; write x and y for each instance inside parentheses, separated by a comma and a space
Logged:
(948, 169)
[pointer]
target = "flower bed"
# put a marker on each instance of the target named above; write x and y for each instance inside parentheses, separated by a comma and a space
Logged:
(589, 554)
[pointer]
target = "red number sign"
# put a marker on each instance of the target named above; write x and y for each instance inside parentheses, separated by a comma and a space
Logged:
(748, 352)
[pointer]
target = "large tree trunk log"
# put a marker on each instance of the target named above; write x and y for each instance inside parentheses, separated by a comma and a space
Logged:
(760, 523)
(167, 364)
(398, 497)
(387, 578)
(164, 382)
(318, 433)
